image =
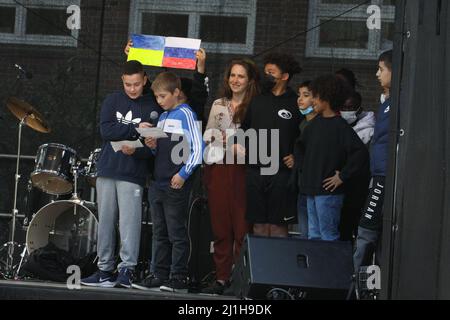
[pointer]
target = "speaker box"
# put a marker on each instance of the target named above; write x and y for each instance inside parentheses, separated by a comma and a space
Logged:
(318, 269)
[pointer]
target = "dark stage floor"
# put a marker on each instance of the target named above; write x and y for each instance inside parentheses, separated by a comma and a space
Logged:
(38, 290)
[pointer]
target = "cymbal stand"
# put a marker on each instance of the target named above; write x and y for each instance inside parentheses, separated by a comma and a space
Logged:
(9, 272)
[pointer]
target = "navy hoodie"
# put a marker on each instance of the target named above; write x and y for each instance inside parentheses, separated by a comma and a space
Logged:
(119, 118)
(380, 141)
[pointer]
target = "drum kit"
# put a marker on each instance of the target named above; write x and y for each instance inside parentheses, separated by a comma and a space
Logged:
(69, 224)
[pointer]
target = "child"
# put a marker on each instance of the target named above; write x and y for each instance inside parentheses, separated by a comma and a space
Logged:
(363, 122)
(371, 221)
(305, 105)
(331, 153)
(356, 190)
(121, 178)
(271, 202)
(168, 194)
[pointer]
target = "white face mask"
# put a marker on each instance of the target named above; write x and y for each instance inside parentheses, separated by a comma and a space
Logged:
(349, 116)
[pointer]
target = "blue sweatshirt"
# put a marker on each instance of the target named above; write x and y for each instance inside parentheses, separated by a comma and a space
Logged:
(119, 118)
(380, 141)
(180, 124)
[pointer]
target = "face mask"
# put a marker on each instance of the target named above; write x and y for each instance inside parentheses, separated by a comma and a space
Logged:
(349, 116)
(268, 83)
(307, 111)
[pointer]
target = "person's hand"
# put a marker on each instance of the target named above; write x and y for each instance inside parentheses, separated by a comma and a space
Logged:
(128, 47)
(128, 150)
(201, 60)
(289, 161)
(145, 125)
(332, 183)
(151, 142)
(177, 182)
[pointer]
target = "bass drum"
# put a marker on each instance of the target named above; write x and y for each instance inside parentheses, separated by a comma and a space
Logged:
(69, 225)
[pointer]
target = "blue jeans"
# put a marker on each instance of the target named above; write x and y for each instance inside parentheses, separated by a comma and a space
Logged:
(170, 235)
(324, 214)
(302, 213)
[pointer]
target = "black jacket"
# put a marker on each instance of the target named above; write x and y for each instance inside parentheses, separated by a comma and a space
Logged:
(327, 145)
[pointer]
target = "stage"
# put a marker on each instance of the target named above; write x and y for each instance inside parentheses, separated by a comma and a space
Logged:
(39, 290)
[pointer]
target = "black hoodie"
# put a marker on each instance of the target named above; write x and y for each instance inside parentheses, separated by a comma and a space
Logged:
(267, 111)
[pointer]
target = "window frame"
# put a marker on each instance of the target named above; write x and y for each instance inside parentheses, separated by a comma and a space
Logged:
(234, 8)
(20, 37)
(318, 10)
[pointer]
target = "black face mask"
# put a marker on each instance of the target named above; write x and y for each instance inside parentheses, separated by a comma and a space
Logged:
(268, 83)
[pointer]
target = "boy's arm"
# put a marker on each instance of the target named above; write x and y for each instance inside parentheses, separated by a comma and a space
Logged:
(200, 87)
(193, 134)
(357, 155)
(110, 128)
(199, 93)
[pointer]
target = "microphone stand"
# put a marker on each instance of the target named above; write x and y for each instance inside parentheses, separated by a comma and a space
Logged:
(10, 245)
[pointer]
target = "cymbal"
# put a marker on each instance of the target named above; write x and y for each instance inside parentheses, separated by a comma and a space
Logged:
(33, 119)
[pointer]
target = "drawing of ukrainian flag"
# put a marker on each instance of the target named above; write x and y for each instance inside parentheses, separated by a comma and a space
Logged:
(170, 52)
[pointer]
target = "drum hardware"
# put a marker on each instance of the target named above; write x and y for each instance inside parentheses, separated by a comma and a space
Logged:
(90, 171)
(33, 119)
(53, 168)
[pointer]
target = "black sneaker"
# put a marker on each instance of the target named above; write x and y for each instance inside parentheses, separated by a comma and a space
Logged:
(215, 288)
(150, 282)
(125, 278)
(175, 285)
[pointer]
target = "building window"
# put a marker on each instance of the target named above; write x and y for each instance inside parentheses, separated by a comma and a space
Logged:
(38, 22)
(223, 26)
(348, 37)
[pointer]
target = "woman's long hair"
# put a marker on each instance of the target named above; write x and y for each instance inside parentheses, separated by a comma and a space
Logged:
(252, 89)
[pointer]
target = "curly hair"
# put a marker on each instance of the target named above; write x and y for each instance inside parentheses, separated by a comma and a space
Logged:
(285, 62)
(252, 89)
(331, 89)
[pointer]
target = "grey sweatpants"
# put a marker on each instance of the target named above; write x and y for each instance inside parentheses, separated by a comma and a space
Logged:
(118, 201)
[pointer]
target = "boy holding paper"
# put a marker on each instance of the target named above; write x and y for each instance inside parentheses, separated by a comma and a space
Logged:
(121, 177)
(175, 162)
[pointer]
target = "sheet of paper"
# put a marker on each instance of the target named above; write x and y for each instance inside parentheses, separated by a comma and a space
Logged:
(117, 145)
(151, 132)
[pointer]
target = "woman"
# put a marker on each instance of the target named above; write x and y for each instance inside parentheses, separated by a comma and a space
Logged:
(225, 182)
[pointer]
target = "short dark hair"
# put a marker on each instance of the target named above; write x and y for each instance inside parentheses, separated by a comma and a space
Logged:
(285, 62)
(132, 67)
(166, 81)
(331, 89)
(386, 57)
(305, 84)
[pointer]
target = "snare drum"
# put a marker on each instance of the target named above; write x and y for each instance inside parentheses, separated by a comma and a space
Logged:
(52, 173)
(69, 225)
(91, 167)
